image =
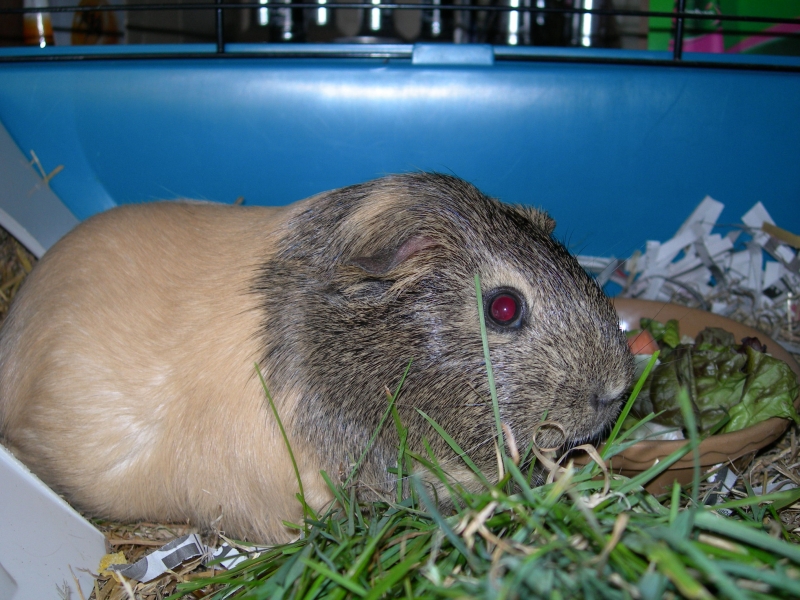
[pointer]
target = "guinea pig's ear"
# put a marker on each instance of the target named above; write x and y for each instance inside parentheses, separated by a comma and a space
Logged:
(544, 221)
(389, 258)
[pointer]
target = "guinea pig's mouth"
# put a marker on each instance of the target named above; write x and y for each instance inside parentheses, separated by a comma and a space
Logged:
(559, 439)
(595, 438)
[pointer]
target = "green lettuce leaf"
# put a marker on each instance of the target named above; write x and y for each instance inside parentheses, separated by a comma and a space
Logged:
(729, 386)
(665, 333)
(666, 380)
(769, 391)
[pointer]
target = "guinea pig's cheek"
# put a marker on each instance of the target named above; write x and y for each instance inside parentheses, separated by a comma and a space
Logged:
(605, 402)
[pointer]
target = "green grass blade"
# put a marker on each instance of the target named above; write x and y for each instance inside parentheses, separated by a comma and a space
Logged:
(456, 448)
(402, 436)
(628, 405)
(656, 469)
(675, 501)
(699, 560)
(434, 513)
(375, 433)
(392, 576)
(747, 535)
(779, 581)
(489, 372)
(307, 511)
(671, 565)
(337, 578)
(694, 439)
(336, 491)
(368, 552)
(779, 500)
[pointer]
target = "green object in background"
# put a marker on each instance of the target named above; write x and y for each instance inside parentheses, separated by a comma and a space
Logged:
(668, 332)
(733, 37)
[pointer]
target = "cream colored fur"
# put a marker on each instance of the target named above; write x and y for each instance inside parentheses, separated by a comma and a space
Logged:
(173, 408)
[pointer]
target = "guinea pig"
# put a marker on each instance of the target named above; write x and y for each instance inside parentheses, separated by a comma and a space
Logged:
(128, 377)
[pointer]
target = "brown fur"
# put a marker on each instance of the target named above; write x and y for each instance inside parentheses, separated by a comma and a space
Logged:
(127, 377)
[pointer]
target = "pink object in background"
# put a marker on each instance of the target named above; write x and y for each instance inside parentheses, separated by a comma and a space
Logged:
(710, 42)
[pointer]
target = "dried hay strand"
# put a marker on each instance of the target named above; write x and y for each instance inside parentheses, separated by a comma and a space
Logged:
(15, 264)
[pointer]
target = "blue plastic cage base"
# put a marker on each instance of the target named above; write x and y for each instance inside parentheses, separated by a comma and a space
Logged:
(617, 148)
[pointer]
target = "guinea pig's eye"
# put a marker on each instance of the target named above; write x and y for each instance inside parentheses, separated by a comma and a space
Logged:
(504, 308)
